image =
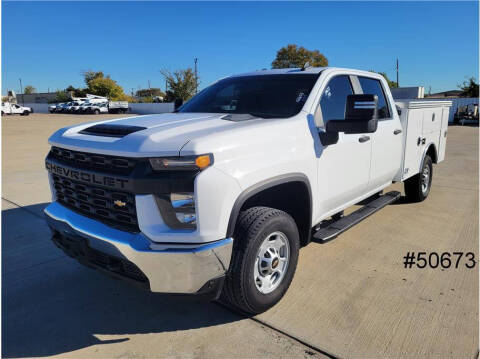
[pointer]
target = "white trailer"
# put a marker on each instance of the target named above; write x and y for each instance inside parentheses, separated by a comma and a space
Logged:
(118, 106)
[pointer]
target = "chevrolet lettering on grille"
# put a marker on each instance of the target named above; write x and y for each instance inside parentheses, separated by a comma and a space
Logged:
(87, 177)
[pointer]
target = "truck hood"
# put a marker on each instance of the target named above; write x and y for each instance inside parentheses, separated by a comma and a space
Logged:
(164, 134)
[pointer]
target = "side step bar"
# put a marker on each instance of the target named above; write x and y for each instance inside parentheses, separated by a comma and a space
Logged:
(333, 229)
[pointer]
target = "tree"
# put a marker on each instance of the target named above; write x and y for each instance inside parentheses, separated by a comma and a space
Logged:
(181, 84)
(294, 56)
(76, 92)
(62, 96)
(90, 75)
(469, 88)
(391, 84)
(105, 86)
(29, 89)
(151, 92)
(101, 85)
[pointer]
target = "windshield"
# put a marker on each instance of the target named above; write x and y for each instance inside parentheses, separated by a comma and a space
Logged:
(264, 96)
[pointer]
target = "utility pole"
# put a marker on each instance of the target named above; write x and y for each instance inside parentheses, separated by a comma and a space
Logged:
(196, 76)
(397, 72)
(132, 91)
(21, 90)
(149, 91)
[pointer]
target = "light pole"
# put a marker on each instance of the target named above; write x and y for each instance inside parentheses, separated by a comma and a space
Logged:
(21, 90)
(196, 76)
(397, 72)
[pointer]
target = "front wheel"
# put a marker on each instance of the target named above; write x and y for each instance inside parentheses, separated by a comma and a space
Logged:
(418, 187)
(26, 113)
(264, 259)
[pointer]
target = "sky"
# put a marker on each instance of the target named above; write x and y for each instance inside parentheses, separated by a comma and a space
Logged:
(49, 44)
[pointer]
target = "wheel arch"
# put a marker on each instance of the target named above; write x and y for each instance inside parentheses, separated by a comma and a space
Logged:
(430, 150)
(296, 200)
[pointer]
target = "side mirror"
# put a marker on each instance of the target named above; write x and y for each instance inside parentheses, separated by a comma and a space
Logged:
(360, 116)
(178, 102)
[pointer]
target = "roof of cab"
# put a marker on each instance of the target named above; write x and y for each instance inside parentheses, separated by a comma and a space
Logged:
(295, 71)
(308, 70)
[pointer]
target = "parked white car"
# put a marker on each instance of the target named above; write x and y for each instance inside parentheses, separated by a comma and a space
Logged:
(15, 109)
(98, 108)
(52, 108)
(76, 106)
(219, 196)
(63, 107)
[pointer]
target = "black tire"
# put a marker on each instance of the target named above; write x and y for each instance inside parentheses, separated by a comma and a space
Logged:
(26, 113)
(96, 112)
(414, 189)
(253, 226)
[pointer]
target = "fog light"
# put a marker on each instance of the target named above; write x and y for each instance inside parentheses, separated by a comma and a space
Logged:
(178, 210)
(187, 218)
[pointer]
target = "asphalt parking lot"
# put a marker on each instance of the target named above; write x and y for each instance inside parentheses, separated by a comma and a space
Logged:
(350, 298)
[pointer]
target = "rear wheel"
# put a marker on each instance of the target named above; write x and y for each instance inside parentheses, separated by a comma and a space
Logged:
(417, 187)
(26, 113)
(264, 259)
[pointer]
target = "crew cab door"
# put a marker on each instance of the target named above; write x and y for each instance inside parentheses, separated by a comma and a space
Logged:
(343, 167)
(387, 140)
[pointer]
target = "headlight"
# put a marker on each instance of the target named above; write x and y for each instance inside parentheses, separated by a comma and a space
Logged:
(178, 210)
(182, 163)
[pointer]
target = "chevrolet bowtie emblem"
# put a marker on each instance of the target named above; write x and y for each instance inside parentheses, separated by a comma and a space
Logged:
(119, 203)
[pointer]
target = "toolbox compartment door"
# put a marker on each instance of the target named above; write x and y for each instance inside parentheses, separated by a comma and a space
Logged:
(413, 150)
(442, 143)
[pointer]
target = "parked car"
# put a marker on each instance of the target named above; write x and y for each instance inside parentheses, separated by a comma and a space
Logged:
(220, 196)
(15, 109)
(98, 108)
(76, 106)
(53, 107)
(468, 112)
(63, 107)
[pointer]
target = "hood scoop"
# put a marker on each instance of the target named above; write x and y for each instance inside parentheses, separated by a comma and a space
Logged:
(111, 130)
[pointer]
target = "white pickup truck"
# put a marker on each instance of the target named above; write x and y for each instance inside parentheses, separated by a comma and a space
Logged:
(218, 197)
(15, 109)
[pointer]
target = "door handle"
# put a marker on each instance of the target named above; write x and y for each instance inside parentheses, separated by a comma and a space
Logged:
(364, 139)
(396, 132)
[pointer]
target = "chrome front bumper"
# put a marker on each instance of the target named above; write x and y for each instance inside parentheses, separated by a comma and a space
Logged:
(170, 268)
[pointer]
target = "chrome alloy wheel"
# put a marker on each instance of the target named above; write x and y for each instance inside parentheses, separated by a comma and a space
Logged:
(272, 262)
(425, 179)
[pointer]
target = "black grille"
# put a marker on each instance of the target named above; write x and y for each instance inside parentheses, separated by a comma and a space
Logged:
(98, 203)
(115, 164)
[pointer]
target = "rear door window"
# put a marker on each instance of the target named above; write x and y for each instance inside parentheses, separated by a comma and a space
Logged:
(374, 87)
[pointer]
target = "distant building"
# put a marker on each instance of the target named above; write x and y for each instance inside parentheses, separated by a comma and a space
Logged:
(40, 97)
(450, 94)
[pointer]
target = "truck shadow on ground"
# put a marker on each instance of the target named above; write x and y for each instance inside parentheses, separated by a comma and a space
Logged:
(53, 305)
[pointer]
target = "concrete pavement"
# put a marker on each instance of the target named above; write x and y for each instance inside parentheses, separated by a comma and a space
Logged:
(350, 297)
